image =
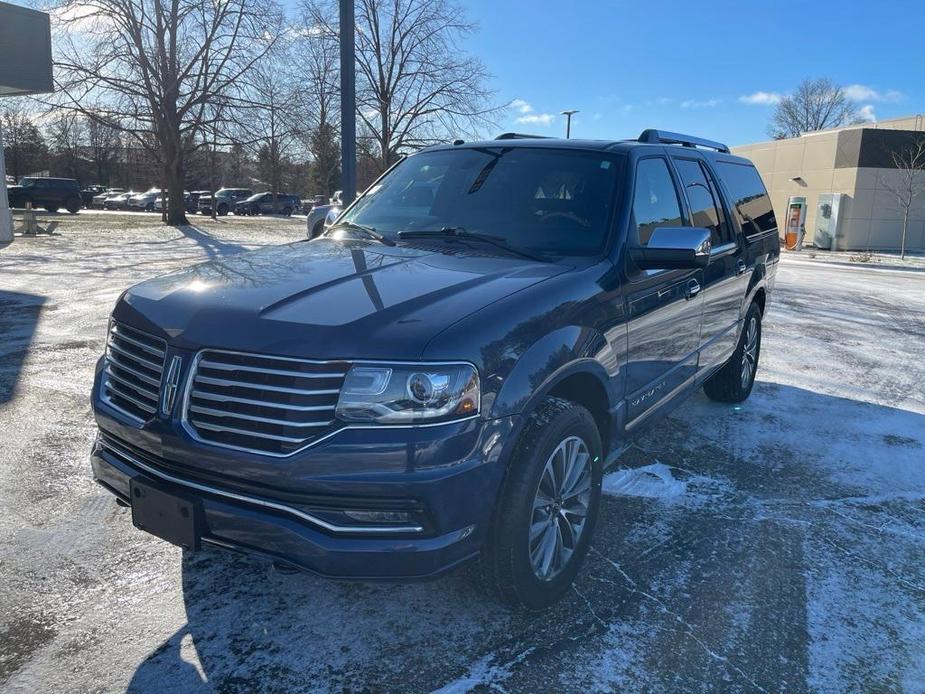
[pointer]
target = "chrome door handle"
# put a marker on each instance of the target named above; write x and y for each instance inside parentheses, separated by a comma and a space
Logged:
(693, 288)
(740, 266)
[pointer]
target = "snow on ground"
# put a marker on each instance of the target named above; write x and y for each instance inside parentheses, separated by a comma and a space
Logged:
(654, 481)
(772, 546)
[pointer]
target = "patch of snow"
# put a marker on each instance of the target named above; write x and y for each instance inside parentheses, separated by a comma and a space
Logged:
(654, 481)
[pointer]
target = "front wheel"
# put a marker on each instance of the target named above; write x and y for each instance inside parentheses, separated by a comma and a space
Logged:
(734, 382)
(72, 205)
(222, 210)
(547, 508)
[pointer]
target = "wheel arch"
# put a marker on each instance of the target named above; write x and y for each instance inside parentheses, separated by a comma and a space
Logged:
(552, 369)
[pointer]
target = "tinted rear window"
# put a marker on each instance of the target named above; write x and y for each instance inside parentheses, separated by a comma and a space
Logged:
(749, 196)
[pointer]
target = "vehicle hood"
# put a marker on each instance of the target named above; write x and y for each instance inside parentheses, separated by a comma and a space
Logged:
(326, 298)
(12, 189)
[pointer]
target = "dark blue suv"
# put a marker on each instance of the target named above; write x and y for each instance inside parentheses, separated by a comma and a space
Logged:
(443, 375)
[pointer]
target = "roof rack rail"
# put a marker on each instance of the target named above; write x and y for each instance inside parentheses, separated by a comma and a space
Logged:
(664, 137)
(521, 136)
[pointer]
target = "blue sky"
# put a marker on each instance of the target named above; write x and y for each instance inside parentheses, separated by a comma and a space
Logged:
(707, 68)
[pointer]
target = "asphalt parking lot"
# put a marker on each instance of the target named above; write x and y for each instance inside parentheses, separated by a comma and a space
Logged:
(774, 546)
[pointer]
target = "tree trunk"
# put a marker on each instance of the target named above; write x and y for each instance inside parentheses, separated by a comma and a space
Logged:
(174, 177)
(902, 254)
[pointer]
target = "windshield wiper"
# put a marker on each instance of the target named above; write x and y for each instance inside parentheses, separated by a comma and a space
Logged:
(460, 233)
(369, 231)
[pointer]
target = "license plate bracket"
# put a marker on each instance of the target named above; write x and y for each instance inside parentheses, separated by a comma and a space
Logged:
(165, 514)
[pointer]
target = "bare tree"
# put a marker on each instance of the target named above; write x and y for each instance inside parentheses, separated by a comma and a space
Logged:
(815, 105)
(151, 67)
(908, 185)
(24, 146)
(66, 137)
(415, 83)
(267, 113)
(103, 144)
(319, 75)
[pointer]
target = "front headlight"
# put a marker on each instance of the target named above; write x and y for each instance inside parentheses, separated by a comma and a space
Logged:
(409, 393)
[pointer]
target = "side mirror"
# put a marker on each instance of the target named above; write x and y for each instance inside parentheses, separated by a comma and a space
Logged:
(674, 248)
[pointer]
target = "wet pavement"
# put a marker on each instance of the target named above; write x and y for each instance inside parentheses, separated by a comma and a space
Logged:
(775, 546)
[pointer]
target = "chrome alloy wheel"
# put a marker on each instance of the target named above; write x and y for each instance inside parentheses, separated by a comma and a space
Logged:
(560, 508)
(750, 352)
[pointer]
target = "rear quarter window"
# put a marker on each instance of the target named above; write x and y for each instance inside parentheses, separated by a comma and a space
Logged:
(749, 197)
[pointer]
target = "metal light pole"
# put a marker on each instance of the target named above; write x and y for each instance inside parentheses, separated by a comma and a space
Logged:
(568, 121)
(348, 108)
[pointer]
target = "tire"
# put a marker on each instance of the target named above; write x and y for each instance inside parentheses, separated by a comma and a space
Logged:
(72, 205)
(513, 567)
(318, 229)
(287, 212)
(51, 208)
(222, 210)
(18, 203)
(734, 382)
(149, 207)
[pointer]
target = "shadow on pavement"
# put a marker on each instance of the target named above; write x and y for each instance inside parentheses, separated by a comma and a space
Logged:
(772, 562)
(19, 316)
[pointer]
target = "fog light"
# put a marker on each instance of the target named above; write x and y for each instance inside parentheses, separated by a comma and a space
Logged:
(378, 516)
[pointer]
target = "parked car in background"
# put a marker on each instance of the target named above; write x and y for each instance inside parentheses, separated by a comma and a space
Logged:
(262, 203)
(101, 198)
(192, 199)
(309, 202)
(144, 202)
(120, 201)
(159, 202)
(224, 200)
(90, 192)
(443, 376)
(322, 213)
(49, 193)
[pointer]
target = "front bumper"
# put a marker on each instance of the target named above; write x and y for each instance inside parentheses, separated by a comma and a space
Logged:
(448, 482)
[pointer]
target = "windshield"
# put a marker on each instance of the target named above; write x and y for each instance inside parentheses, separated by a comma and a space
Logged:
(554, 201)
(26, 182)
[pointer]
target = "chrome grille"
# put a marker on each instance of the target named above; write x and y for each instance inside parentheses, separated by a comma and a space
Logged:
(134, 366)
(272, 405)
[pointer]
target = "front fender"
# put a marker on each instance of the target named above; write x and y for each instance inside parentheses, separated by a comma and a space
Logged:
(548, 361)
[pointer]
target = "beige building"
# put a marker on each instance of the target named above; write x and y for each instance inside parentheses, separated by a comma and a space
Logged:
(844, 176)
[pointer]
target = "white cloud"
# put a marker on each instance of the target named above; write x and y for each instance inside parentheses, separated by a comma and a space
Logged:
(521, 106)
(544, 119)
(866, 112)
(761, 98)
(861, 92)
(694, 103)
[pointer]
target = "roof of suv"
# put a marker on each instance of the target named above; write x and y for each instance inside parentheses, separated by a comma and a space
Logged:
(648, 138)
(62, 181)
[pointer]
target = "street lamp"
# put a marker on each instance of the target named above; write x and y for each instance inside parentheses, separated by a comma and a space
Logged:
(568, 121)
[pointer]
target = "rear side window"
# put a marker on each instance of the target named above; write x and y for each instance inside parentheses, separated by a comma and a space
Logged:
(706, 209)
(749, 196)
(655, 200)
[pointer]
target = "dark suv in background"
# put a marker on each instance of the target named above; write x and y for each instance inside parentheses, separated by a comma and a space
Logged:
(444, 374)
(50, 193)
(262, 203)
(224, 200)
